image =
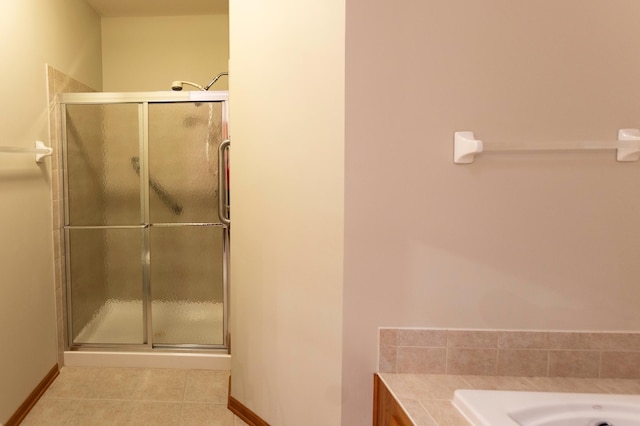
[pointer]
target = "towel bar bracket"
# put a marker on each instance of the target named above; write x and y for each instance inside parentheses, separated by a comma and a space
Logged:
(629, 151)
(42, 151)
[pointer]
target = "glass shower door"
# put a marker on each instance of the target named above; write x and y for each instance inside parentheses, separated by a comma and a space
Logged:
(146, 252)
(104, 225)
(187, 239)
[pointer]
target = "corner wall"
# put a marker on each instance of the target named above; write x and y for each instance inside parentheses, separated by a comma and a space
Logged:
(65, 34)
(529, 241)
(287, 185)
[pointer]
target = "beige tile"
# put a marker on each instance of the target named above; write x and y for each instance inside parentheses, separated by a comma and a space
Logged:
(403, 385)
(424, 386)
(571, 340)
(523, 339)
(56, 244)
(116, 383)
(620, 365)
(100, 413)
(421, 360)
(50, 74)
(620, 386)
(574, 363)
(388, 336)
(499, 383)
(162, 385)
(472, 361)
(619, 341)
(445, 413)
(50, 412)
(472, 339)
(522, 362)
(58, 271)
(422, 337)
(417, 413)
(566, 384)
(387, 362)
(55, 186)
(72, 383)
(145, 413)
(207, 386)
(195, 414)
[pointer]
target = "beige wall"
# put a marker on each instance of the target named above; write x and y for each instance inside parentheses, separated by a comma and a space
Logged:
(147, 54)
(65, 34)
(287, 127)
(516, 241)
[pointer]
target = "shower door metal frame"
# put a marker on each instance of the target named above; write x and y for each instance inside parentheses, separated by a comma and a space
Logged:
(142, 99)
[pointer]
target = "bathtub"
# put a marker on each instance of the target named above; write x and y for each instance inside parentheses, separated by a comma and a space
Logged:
(509, 408)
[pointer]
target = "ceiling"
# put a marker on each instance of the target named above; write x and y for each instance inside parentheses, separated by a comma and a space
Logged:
(113, 8)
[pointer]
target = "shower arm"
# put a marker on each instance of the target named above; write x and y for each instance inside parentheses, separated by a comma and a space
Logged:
(211, 83)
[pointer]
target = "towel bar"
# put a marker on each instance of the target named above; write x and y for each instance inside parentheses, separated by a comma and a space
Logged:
(41, 150)
(466, 146)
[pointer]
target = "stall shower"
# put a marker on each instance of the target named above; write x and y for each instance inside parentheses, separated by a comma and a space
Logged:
(146, 226)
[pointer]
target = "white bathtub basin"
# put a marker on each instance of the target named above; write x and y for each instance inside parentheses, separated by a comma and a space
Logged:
(509, 408)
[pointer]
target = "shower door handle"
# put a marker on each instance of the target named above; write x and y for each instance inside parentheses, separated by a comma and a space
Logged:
(223, 184)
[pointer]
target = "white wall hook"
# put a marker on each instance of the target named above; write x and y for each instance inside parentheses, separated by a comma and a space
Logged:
(628, 151)
(465, 147)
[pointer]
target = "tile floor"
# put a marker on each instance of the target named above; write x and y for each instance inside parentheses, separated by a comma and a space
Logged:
(135, 396)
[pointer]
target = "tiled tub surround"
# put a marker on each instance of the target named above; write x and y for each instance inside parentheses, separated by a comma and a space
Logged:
(423, 367)
(510, 353)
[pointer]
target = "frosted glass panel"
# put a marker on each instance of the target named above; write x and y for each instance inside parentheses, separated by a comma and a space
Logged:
(102, 160)
(187, 293)
(106, 285)
(107, 159)
(183, 155)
